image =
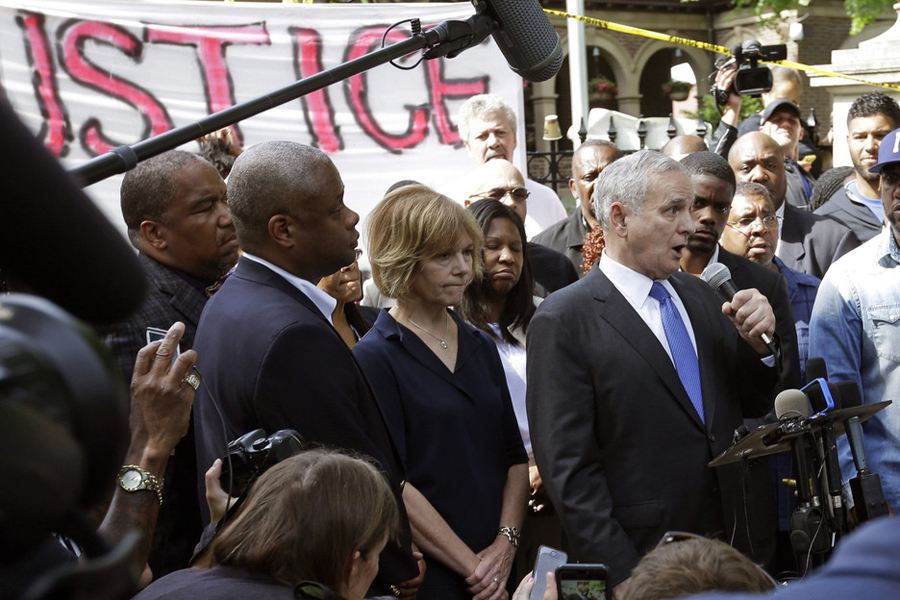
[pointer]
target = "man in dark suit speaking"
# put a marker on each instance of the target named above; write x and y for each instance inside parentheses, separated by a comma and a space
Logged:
(271, 358)
(638, 376)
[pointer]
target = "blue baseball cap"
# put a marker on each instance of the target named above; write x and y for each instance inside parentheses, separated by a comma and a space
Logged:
(888, 152)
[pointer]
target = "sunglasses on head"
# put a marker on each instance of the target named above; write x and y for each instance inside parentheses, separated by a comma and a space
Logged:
(519, 194)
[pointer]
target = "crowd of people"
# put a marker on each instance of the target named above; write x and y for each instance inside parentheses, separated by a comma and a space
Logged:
(517, 376)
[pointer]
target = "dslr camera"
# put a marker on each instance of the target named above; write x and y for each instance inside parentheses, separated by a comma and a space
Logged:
(751, 79)
(252, 453)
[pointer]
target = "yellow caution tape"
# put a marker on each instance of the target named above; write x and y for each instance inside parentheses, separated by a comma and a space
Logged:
(705, 46)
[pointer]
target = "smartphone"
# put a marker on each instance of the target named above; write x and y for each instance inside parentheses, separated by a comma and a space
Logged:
(581, 582)
(155, 333)
(547, 560)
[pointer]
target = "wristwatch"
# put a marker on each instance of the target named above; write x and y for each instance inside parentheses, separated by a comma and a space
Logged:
(132, 478)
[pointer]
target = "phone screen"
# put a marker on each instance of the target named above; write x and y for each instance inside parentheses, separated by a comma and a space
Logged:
(547, 560)
(581, 582)
(154, 334)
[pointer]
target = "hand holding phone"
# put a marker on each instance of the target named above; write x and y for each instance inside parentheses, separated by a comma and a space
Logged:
(155, 333)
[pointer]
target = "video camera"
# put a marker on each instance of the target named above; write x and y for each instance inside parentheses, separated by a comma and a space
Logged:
(751, 79)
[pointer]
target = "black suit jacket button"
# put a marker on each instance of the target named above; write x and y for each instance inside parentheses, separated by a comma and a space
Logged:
(712, 438)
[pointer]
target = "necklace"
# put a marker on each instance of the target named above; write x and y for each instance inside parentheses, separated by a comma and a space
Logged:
(440, 339)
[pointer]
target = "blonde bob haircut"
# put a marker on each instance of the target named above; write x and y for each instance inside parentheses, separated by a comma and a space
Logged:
(412, 224)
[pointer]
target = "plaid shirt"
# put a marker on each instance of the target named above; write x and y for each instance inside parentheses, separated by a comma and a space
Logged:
(169, 298)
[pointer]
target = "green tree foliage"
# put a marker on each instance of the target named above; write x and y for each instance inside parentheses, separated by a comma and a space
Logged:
(861, 12)
(706, 107)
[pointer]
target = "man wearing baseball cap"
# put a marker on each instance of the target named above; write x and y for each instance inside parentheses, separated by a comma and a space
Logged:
(855, 327)
(781, 122)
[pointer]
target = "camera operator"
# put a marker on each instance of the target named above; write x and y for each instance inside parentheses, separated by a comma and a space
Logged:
(779, 120)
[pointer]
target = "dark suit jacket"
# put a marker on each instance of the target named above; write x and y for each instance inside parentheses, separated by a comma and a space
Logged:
(272, 361)
(169, 298)
(621, 449)
(773, 286)
(567, 237)
(857, 217)
(552, 270)
(810, 242)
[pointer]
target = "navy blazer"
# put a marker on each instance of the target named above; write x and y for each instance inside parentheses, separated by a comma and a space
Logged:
(272, 361)
(621, 449)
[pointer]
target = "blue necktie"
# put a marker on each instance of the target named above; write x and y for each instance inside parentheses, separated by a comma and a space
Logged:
(680, 346)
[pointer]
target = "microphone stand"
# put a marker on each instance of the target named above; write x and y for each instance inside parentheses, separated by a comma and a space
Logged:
(809, 527)
(446, 39)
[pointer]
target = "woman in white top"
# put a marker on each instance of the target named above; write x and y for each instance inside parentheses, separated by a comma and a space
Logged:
(502, 305)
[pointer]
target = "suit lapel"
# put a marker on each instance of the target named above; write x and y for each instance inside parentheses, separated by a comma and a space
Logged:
(183, 297)
(619, 314)
(261, 274)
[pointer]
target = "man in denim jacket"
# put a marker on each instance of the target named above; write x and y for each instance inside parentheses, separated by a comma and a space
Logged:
(855, 327)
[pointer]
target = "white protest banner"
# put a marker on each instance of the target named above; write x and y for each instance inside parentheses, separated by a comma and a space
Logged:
(90, 75)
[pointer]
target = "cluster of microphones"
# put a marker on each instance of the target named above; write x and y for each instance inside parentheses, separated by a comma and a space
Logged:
(809, 422)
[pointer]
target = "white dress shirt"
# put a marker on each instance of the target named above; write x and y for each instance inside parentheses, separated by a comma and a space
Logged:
(325, 303)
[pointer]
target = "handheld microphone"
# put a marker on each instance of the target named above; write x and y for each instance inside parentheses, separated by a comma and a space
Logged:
(718, 276)
(868, 495)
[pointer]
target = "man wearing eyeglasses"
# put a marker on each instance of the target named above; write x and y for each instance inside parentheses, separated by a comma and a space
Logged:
(501, 181)
(752, 232)
(807, 242)
(487, 126)
(713, 184)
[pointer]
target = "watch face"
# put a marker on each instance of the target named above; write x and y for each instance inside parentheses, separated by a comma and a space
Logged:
(131, 480)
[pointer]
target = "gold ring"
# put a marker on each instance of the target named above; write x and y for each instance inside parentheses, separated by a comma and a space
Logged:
(192, 379)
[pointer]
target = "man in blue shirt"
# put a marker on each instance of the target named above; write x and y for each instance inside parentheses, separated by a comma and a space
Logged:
(856, 327)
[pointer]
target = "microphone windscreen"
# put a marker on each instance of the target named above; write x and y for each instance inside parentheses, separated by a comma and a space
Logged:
(791, 404)
(55, 240)
(526, 38)
(850, 396)
(816, 368)
(716, 274)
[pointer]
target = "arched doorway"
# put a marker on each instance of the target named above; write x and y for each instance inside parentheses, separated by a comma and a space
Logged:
(598, 65)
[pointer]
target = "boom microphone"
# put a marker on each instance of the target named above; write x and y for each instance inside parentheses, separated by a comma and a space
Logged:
(719, 277)
(525, 37)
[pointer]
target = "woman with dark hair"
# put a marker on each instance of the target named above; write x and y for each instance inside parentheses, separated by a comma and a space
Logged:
(345, 286)
(502, 306)
(318, 516)
(441, 385)
(503, 303)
